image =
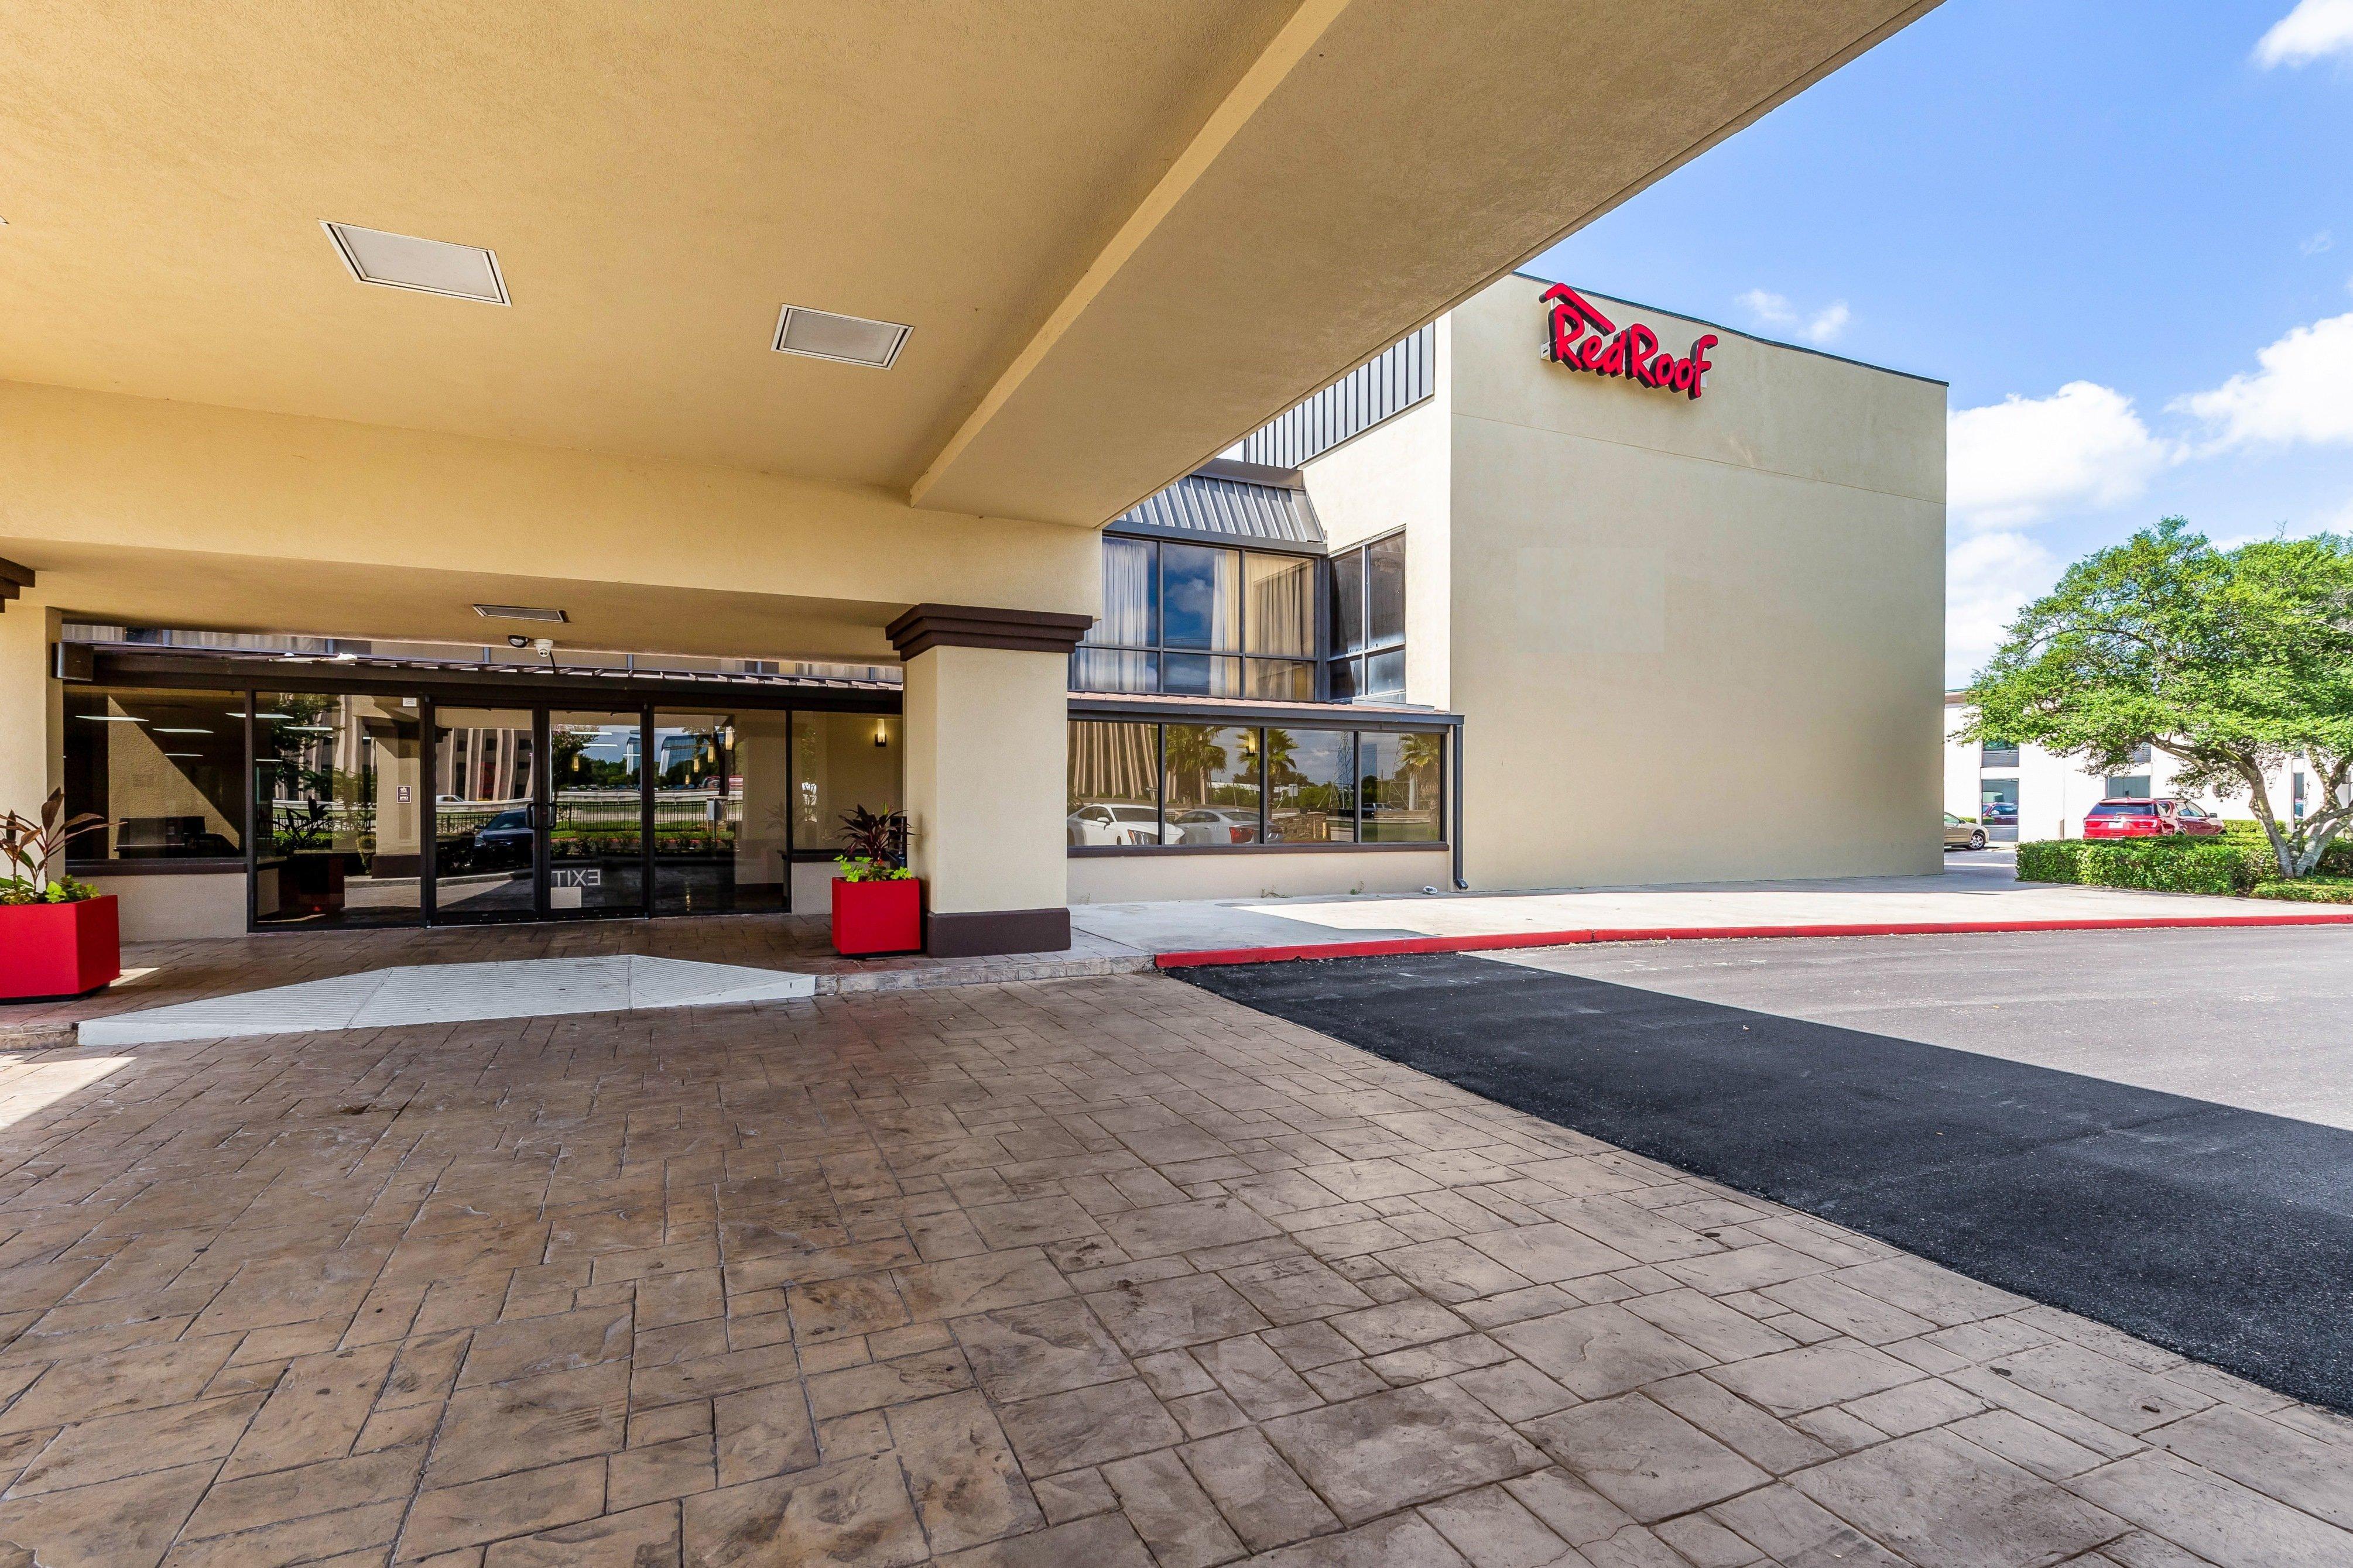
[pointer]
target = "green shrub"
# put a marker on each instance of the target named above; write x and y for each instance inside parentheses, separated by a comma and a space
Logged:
(2050, 860)
(2309, 890)
(2154, 865)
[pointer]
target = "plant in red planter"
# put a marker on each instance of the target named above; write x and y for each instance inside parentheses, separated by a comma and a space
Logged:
(58, 936)
(878, 904)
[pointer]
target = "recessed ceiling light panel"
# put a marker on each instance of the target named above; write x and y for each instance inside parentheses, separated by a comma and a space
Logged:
(519, 613)
(853, 340)
(428, 266)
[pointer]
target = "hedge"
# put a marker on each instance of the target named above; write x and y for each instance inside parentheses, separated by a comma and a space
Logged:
(2161, 865)
(2309, 890)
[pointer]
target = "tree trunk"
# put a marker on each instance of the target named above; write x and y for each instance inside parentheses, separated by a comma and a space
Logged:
(2283, 851)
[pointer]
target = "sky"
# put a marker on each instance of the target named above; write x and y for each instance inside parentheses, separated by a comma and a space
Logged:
(2121, 229)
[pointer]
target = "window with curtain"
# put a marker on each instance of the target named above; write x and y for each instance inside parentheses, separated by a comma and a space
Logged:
(1367, 622)
(1201, 620)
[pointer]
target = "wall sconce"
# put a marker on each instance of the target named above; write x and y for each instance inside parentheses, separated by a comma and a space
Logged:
(881, 733)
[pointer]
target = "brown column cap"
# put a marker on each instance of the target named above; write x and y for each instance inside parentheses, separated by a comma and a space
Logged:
(927, 626)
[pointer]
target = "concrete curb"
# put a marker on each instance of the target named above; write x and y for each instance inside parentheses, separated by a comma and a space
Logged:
(1380, 947)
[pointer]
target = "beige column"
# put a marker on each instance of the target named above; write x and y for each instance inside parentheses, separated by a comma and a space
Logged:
(987, 733)
(32, 704)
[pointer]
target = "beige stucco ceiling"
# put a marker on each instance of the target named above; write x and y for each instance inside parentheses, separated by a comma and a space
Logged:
(1124, 231)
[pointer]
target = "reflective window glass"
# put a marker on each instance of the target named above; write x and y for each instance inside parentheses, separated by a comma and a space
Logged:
(722, 812)
(1281, 604)
(597, 839)
(1348, 601)
(841, 760)
(1280, 680)
(1131, 610)
(1107, 669)
(1398, 781)
(1212, 774)
(1200, 597)
(1311, 786)
(1115, 782)
(339, 809)
(1385, 674)
(484, 842)
(1384, 591)
(165, 770)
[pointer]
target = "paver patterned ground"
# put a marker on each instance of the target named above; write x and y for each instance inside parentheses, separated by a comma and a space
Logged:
(1101, 1272)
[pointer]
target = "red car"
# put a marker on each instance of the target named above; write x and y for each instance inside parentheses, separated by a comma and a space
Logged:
(2147, 819)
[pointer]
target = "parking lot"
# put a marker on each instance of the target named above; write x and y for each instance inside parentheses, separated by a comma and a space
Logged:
(2147, 1128)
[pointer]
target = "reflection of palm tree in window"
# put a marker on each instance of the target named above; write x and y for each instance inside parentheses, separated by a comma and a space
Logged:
(1418, 757)
(1280, 749)
(1194, 754)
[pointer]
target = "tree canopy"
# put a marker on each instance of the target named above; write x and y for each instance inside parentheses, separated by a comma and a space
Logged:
(2230, 661)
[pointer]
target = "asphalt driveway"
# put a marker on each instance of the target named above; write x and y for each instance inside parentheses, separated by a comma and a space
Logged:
(2149, 1129)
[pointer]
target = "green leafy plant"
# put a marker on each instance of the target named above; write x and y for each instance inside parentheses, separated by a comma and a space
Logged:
(31, 847)
(2309, 890)
(2211, 866)
(2231, 662)
(873, 845)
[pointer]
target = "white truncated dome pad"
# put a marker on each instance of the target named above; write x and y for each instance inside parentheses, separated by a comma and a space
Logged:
(454, 993)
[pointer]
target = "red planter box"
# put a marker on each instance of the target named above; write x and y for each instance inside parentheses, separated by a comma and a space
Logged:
(58, 949)
(870, 917)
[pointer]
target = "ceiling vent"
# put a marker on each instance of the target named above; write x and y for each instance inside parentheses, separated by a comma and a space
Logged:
(428, 266)
(853, 340)
(518, 612)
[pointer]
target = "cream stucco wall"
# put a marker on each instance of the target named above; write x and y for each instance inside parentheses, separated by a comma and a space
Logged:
(1397, 475)
(171, 907)
(32, 708)
(1692, 640)
(1135, 878)
(147, 512)
(987, 739)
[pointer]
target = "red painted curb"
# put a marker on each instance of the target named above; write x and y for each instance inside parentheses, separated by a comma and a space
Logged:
(1379, 947)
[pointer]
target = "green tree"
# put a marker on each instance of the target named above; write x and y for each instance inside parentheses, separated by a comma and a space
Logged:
(2230, 661)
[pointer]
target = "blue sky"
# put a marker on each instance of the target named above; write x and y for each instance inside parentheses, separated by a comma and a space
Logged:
(2133, 217)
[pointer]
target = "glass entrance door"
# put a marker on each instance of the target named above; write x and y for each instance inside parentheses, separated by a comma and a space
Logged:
(595, 851)
(487, 804)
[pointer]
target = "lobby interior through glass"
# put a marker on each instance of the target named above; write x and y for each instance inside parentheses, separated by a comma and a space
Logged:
(517, 810)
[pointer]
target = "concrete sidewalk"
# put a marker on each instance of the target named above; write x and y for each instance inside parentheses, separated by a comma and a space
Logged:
(1976, 892)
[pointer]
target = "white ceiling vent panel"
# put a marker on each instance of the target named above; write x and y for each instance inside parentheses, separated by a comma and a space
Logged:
(853, 340)
(428, 266)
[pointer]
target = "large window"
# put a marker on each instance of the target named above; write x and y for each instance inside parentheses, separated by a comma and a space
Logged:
(1399, 784)
(339, 804)
(1368, 625)
(841, 760)
(1140, 785)
(164, 768)
(1201, 620)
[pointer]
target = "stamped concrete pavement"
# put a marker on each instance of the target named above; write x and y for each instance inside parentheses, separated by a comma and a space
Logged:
(1107, 1272)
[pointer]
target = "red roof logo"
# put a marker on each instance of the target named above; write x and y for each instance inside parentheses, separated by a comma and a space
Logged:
(1582, 337)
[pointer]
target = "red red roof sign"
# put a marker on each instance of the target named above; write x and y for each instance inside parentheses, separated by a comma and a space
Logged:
(1582, 337)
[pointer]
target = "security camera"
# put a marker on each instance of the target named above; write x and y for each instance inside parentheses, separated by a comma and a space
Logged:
(543, 644)
(516, 639)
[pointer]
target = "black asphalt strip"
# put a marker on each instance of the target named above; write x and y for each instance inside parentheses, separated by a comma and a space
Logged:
(2222, 1234)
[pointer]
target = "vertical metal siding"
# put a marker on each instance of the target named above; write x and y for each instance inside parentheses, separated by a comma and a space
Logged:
(1385, 386)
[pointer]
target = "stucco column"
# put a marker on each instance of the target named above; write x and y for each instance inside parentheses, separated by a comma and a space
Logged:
(32, 705)
(986, 731)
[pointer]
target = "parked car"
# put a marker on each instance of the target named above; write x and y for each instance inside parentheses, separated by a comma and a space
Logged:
(2120, 818)
(1210, 824)
(1098, 823)
(1960, 835)
(505, 840)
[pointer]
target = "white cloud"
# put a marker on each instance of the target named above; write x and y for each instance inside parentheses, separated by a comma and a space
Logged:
(2303, 391)
(1776, 310)
(2320, 242)
(1987, 579)
(2315, 29)
(2015, 461)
